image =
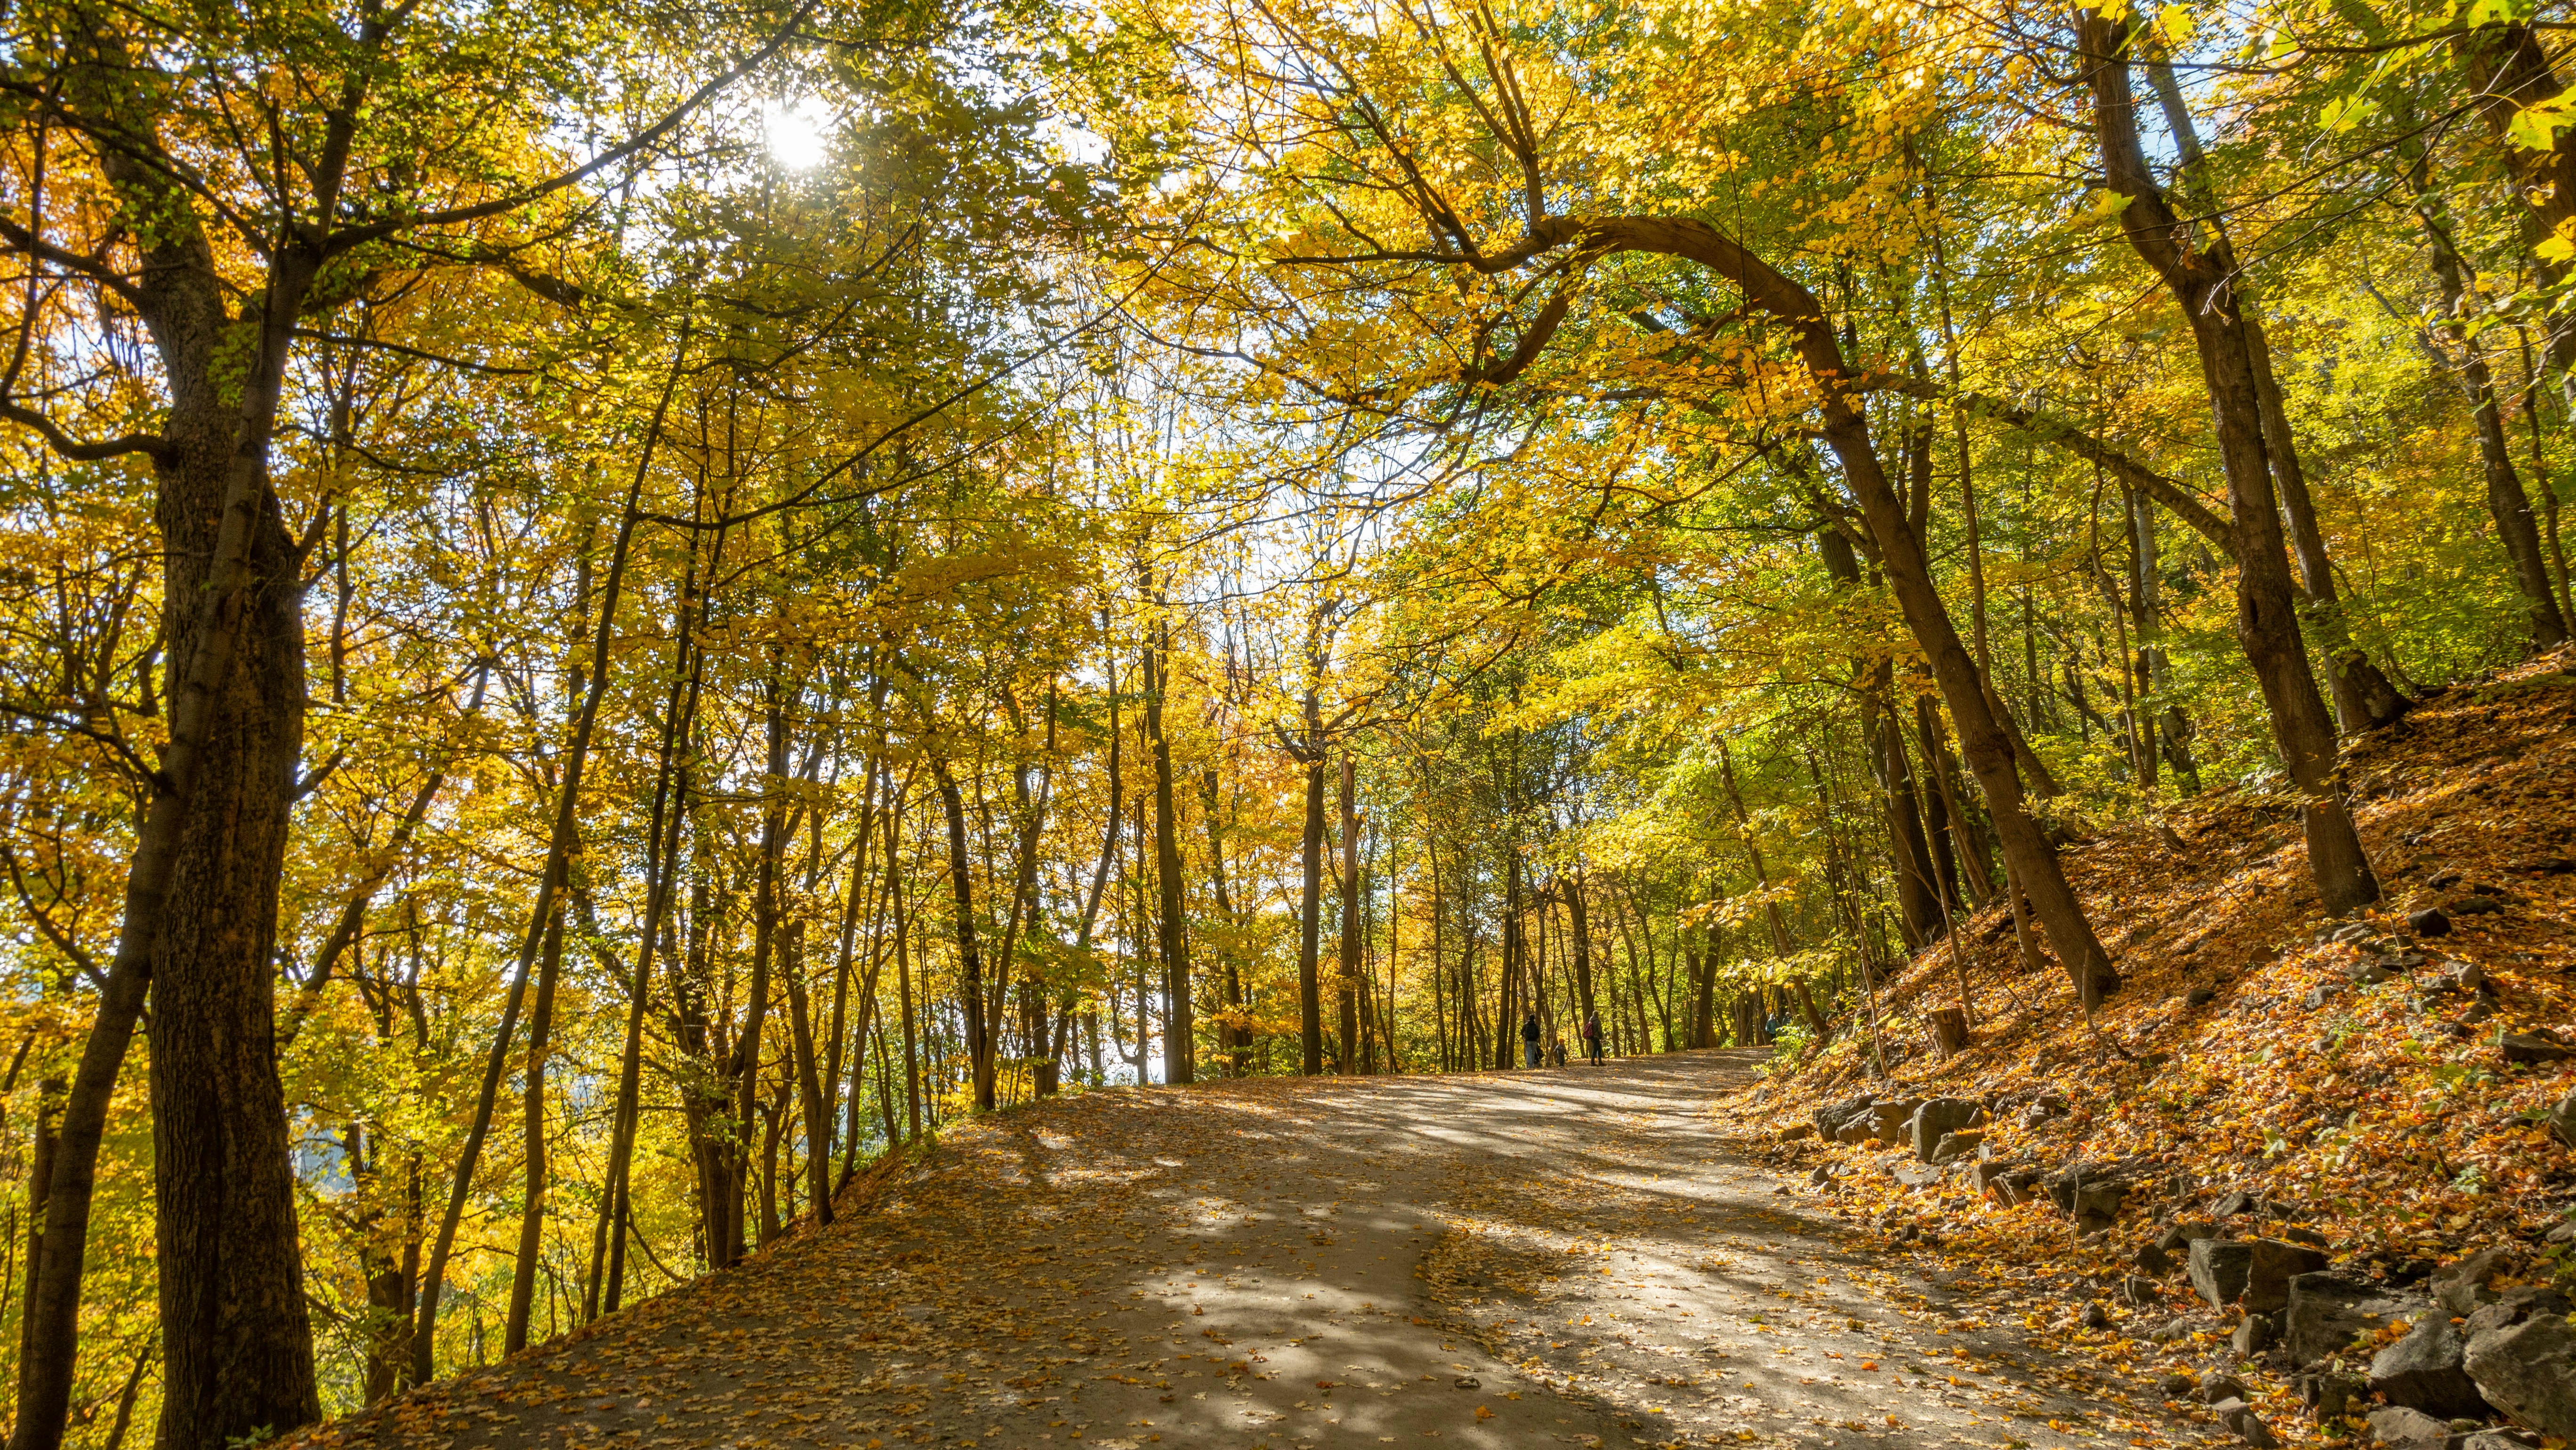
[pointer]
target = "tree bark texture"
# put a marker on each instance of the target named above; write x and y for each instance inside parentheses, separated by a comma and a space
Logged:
(2201, 278)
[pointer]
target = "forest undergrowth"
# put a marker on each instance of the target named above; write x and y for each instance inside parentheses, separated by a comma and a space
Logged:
(2386, 1092)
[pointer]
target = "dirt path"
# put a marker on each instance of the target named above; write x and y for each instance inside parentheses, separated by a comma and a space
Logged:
(1566, 1256)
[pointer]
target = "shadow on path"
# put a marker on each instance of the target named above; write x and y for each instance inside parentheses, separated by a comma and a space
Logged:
(1561, 1256)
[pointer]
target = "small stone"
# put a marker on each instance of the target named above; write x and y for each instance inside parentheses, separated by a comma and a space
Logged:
(2301, 1234)
(1885, 1121)
(2318, 996)
(2402, 1425)
(2095, 1206)
(2328, 1396)
(1936, 1117)
(2342, 931)
(2250, 1428)
(2442, 880)
(2254, 1334)
(2534, 1047)
(2200, 996)
(2370, 974)
(2172, 1331)
(2423, 1371)
(1469, 1382)
(2095, 1316)
(1829, 1119)
(2529, 1372)
(1820, 1178)
(2476, 906)
(2461, 1287)
(2235, 1204)
(2267, 1275)
(2328, 1312)
(2152, 1259)
(2140, 1292)
(2469, 977)
(2238, 1416)
(2429, 922)
(2500, 1440)
(1796, 1131)
(2178, 1238)
(1986, 1176)
(2219, 1270)
(2175, 1386)
(2548, 866)
(2513, 1307)
(1958, 1145)
(2215, 1387)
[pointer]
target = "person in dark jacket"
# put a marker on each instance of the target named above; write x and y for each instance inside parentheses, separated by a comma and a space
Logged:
(1529, 1039)
(1592, 1038)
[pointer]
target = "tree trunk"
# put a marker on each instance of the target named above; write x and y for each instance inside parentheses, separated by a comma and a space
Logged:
(970, 966)
(2362, 694)
(2509, 70)
(2507, 504)
(2363, 697)
(1344, 985)
(1180, 1037)
(2201, 279)
(1310, 1002)
(1234, 1038)
(1577, 924)
(551, 880)
(532, 1207)
(742, 1068)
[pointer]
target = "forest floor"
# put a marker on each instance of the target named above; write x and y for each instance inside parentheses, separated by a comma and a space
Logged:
(1564, 1256)
(2381, 1085)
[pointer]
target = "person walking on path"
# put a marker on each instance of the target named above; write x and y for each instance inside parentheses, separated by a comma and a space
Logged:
(1592, 1039)
(1529, 1039)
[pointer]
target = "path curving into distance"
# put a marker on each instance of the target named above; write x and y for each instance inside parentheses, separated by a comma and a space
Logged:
(1561, 1256)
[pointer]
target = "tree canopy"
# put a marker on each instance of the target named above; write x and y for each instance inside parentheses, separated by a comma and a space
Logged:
(615, 612)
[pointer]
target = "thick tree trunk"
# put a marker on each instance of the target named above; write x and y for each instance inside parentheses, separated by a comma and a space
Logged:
(2201, 278)
(2363, 697)
(200, 910)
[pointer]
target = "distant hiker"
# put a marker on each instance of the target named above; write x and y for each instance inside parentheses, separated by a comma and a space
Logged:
(1529, 1039)
(1592, 1039)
